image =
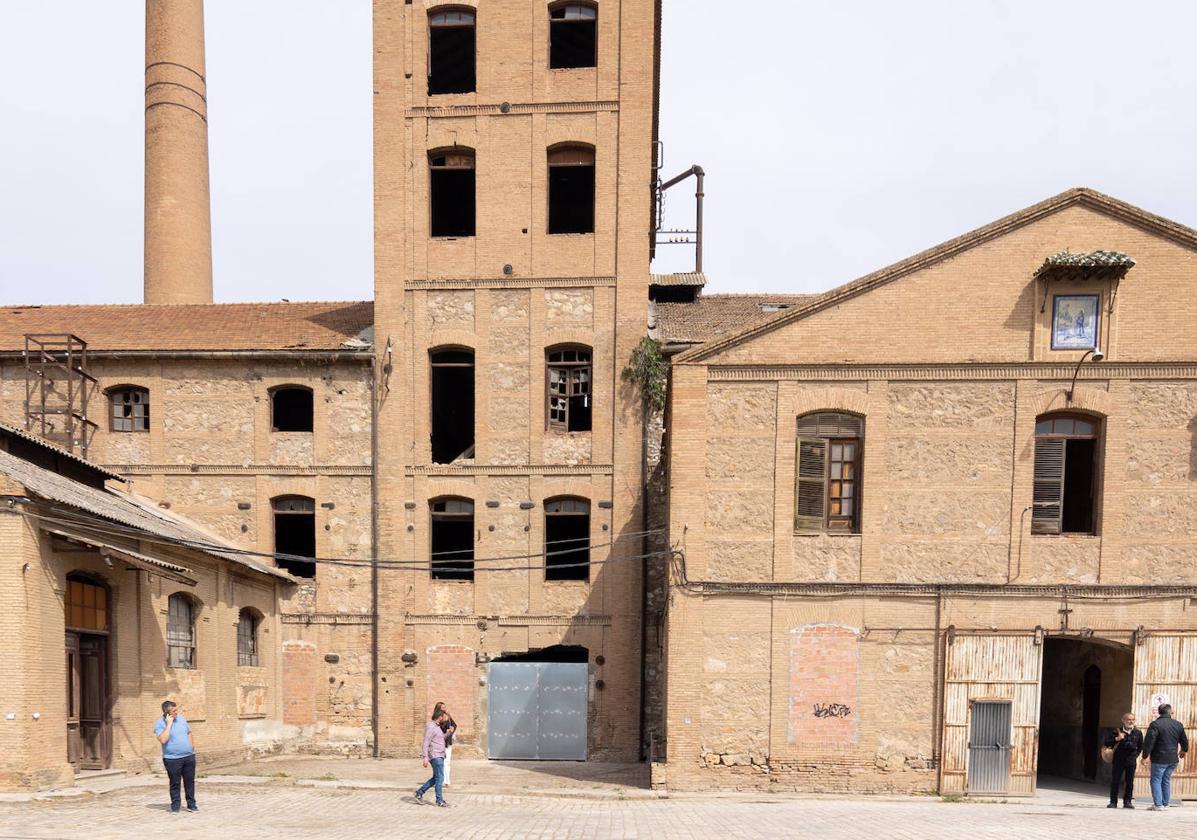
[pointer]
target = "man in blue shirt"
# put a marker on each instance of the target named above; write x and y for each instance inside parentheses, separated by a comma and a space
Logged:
(178, 754)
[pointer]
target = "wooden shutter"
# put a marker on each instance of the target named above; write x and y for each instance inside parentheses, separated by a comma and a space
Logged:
(811, 491)
(1048, 495)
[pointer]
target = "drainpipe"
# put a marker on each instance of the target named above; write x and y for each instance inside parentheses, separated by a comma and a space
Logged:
(374, 553)
(646, 541)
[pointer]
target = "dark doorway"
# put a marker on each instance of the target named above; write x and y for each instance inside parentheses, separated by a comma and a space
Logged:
(554, 653)
(87, 618)
(1085, 688)
(452, 405)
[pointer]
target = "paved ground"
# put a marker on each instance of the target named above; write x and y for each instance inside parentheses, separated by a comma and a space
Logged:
(283, 809)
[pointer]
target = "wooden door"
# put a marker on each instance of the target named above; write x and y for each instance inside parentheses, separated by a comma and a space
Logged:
(1166, 672)
(93, 725)
(72, 698)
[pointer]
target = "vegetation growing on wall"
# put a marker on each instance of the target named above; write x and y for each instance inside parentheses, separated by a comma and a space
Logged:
(646, 369)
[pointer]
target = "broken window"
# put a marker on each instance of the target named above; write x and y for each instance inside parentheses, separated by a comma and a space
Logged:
(451, 192)
(827, 492)
(295, 534)
(452, 405)
(571, 189)
(247, 637)
(130, 409)
(451, 52)
(452, 556)
(567, 539)
(1064, 496)
(569, 383)
(291, 409)
(573, 36)
(180, 631)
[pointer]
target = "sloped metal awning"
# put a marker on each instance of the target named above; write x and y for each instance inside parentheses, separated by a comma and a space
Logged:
(161, 568)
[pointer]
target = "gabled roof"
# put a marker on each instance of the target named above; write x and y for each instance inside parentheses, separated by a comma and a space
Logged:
(281, 327)
(1078, 196)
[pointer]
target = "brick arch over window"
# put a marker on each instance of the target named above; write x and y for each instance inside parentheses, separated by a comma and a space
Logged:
(1089, 400)
(830, 399)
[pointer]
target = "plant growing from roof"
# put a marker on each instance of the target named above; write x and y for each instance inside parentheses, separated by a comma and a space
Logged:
(646, 370)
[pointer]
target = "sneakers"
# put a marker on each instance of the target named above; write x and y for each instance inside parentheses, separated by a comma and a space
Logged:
(442, 804)
(419, 798)
(1157, 808)
(193, 809)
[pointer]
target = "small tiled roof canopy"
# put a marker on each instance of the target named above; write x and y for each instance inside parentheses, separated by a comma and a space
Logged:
(1067, 265)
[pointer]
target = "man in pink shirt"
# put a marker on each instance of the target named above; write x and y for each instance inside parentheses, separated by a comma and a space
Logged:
(434, 754)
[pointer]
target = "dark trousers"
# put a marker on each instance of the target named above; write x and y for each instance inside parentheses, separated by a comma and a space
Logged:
(181, 770)
(1120, 768)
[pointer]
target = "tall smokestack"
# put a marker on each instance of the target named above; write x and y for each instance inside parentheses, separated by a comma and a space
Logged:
(178, 224)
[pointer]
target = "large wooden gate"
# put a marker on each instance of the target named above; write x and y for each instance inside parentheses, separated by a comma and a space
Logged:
(1166, 672)
(984, 669)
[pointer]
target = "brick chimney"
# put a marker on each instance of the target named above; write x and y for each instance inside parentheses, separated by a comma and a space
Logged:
(178, 225)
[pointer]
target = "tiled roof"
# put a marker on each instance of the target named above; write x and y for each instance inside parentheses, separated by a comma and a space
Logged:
(340, 325)
(123, 508)
(712, 316)
(1092, 259)
(683, 278)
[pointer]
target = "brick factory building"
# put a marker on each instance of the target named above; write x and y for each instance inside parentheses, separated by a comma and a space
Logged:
(876, 519)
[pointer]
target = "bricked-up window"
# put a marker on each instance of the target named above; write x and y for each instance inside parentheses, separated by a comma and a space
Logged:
(291, 409)
(295, 533)
(567, 539)
(180, 631)
(451, 51)
(451, 192)
(130, 409)
(573, 36)
(569, 394)
(86, 605)
(247, 637)
(571, 189)
(827, 492)
(452, 555)
(452, 404)
(1066, 453)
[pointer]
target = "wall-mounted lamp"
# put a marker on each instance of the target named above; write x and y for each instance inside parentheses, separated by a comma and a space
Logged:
(1097, 357)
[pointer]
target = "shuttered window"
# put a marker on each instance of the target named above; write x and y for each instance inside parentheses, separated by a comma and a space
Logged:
(827, 473)
(1064, 493)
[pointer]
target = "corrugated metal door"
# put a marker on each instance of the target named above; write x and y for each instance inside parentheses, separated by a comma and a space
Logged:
(1166, 670)
(989, 747)
(990, 668)
(537, 710)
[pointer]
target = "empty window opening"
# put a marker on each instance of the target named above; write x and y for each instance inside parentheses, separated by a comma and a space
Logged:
(130, 409)
(567, 539)
(1064, 497)
(451, 192)
(295, 534)
(291, 409)
(573, 36)
(452, 555)
(571, 190)
(247, 638)
(180, 631)
(451, 52)
(569, 382)
(827, 497)
(452, 405)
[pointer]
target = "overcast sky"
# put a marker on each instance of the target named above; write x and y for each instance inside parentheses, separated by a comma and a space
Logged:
(837, 137)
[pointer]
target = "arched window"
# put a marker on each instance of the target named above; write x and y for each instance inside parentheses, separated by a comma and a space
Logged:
(1065, 483)
(452, 549)
(567, 539)
(451, 51)
(247, 637)
(291, 408)
(85, 605)
(571, 189)
(452, 404)
(451, 192)
(130, 409)
(827, 475)
(569, 388)
(180, 631)
(573, 35)
(295, 533)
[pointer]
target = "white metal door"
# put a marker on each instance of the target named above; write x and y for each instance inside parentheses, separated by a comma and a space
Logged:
(537, 710)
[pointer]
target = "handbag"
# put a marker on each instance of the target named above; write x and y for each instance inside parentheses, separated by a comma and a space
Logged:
(1107, 755)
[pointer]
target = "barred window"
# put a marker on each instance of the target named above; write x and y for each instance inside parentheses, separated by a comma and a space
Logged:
(569, 388)
(1065, 483)
(180, 631)
(247, 637)
(827, 491)
(130, 409)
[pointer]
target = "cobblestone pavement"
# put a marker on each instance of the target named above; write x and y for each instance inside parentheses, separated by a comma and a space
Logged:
(284, 811)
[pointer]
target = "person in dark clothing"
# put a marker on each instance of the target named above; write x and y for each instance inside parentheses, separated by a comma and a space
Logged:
(1127, 743)
(1164, 746)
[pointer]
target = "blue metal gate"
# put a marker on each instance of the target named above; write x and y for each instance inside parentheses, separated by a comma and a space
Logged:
(537, 710)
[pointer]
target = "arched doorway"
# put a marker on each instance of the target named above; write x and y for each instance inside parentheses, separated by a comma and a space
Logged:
(1086, 687)
(87, 608)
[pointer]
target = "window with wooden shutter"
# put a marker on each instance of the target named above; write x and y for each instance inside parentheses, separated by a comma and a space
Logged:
(827, 474)
(1065, 481)
(1048, 496)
